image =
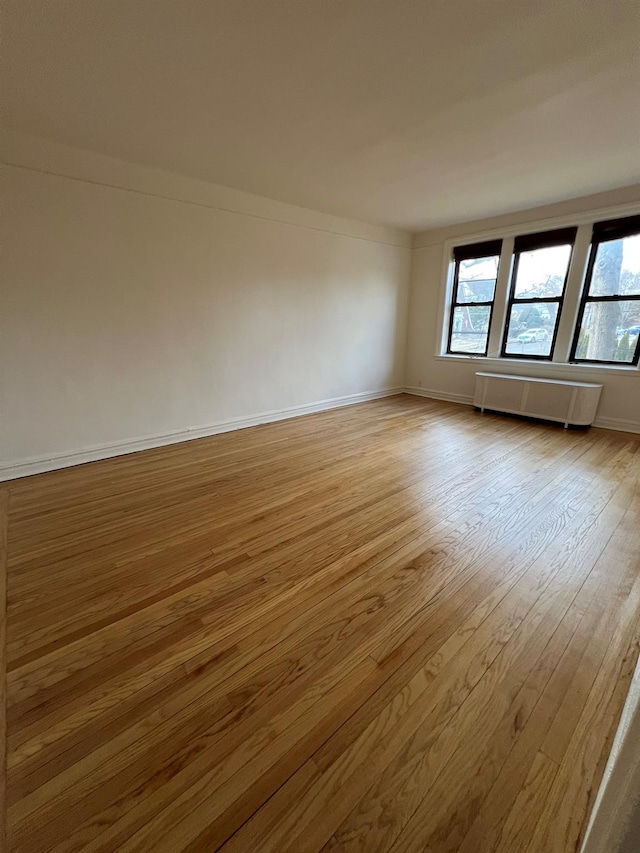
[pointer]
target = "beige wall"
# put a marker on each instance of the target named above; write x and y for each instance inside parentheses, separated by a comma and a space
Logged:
(141, 307)
(454, 378)
(136, 314)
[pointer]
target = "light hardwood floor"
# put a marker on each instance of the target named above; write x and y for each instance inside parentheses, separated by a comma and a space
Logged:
(396, 626)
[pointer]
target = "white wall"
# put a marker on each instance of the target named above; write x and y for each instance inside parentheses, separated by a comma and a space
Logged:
(138, 304)
(453, 378)
(139, 307)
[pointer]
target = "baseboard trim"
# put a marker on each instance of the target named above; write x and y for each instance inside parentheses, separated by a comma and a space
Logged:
(432, 394)
(53, 462)
(616, 424)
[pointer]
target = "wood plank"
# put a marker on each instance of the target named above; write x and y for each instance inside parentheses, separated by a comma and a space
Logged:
(399, 624)
(584, 618)
(4, 529)
(323, 791)
(439, 820)
(518, 828)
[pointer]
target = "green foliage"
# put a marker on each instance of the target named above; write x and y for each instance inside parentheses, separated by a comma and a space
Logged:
(624, 350)
(583, 344)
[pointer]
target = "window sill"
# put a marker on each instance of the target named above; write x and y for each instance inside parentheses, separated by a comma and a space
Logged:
(542, 366)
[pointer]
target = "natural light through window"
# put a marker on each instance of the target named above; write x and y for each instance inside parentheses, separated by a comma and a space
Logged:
(475, 277)
(547, 305)
(610, 323)
(540, 267)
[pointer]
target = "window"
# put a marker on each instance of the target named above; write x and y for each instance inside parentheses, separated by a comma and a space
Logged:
(474, 285)
(608, 327)
(538, 281)
(568, 295)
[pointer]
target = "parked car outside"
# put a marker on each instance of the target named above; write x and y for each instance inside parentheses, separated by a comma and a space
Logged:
(532, 335)
(631, 331)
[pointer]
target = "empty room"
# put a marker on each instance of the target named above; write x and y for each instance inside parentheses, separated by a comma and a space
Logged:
(320, 426)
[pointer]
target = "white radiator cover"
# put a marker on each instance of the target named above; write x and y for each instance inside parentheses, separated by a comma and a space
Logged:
(570, 403)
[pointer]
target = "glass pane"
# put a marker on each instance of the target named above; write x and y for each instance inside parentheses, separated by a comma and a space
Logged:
(542, 272)
(609, 331)
(478, 268)
(616, 271)
(470, 328)
(476, 291)
(530, 330)
(477, 279)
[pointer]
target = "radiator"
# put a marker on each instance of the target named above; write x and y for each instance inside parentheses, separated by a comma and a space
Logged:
(570, 403)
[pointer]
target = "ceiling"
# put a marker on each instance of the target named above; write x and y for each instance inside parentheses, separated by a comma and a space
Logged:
(411, 113)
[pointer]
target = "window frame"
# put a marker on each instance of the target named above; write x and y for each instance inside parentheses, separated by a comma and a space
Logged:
(561, 360)
(466, 253)
(541, 240)
(604, 232)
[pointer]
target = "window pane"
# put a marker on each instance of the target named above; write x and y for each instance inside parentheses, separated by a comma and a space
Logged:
(609, 331)
(470, 328)
(476, 291)
(531, 327)
(478, 268)
(542, 272)
(477, 279)
(616, 271)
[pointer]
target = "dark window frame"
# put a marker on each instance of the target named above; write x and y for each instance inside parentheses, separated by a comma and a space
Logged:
(529, 243)
(605, 232)
(486, 249)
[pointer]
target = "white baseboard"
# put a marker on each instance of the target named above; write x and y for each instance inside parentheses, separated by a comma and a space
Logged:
(467, 400)
(52, 462)
(40, 464)
(620, 425)
(432, 394)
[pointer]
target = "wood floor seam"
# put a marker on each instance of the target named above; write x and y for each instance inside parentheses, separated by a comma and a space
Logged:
(402, 626)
